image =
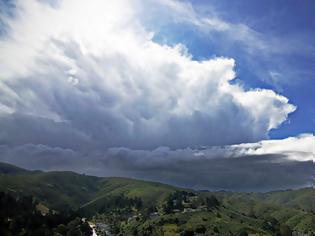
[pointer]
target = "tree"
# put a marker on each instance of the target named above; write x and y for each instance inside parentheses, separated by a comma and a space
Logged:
(212, 202)
(243, 232)
(201, 229)
(188, 233)
(285, 230)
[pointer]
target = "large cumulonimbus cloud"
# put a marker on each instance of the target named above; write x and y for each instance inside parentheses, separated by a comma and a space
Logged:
(85, 75)
(84, 86)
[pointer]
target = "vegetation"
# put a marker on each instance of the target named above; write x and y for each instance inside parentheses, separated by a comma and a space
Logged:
(70, 190)
(20, 215)
(55, 203)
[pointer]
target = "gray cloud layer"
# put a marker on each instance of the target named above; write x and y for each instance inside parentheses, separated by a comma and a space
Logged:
(226, 167)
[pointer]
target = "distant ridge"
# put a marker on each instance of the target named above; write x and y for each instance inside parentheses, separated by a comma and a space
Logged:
(60, 188)
(6, 168)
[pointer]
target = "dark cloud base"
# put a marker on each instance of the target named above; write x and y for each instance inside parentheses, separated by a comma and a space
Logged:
(179, 167)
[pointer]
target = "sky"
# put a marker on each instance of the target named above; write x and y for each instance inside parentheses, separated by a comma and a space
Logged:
(200, 94)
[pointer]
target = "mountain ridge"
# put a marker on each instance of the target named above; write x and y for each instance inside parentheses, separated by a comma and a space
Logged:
(288, 210)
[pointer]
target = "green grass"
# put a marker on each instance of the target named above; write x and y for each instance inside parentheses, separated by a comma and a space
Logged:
(300, 199)
(170, 230)
(54, 189)
(217, 222)
(59, 190)
(151, 192)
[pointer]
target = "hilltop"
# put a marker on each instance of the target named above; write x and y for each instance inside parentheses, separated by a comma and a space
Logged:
(58, 189)
(136, 207)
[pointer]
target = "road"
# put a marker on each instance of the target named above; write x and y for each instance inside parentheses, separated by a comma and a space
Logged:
(93, 228)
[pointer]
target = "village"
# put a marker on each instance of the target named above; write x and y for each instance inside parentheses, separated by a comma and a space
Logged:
(176, 203)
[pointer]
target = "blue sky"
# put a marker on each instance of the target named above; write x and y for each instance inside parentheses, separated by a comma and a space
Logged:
(292, 67)
(284, 20)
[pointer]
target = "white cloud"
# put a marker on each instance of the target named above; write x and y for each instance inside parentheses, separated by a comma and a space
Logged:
(300, 148)
(183, 11)
(72, 80)
(271, 57)
(94, 67)
(209, 20)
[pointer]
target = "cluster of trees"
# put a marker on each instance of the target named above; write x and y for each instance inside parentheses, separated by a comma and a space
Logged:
(175, 201)
(20, 216)
(178, 199)
(120, 202)
(272, 225)
(114, 210)
(212, 202)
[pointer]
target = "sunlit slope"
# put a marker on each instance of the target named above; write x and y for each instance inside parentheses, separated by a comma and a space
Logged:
(68, 189)
(55, 189)
(151, 193)
(302, 199)
(61, 188)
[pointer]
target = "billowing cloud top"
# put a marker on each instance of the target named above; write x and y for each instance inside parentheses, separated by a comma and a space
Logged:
(93, 73)
(79, 79)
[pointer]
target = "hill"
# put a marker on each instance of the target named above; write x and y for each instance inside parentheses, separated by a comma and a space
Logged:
(127, 205)
(300, 199)
(54, 189)
(60, 189)
(151, 193)
(6, 168)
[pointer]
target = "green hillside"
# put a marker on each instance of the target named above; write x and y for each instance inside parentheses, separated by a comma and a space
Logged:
(117, 200)
(69, 189)
(149, 192)
(6, 168)
(300, 199)
(55, 189)
(260, 206)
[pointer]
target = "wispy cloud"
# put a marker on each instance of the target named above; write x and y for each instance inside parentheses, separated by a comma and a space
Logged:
(183, 11)
(257, 49)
